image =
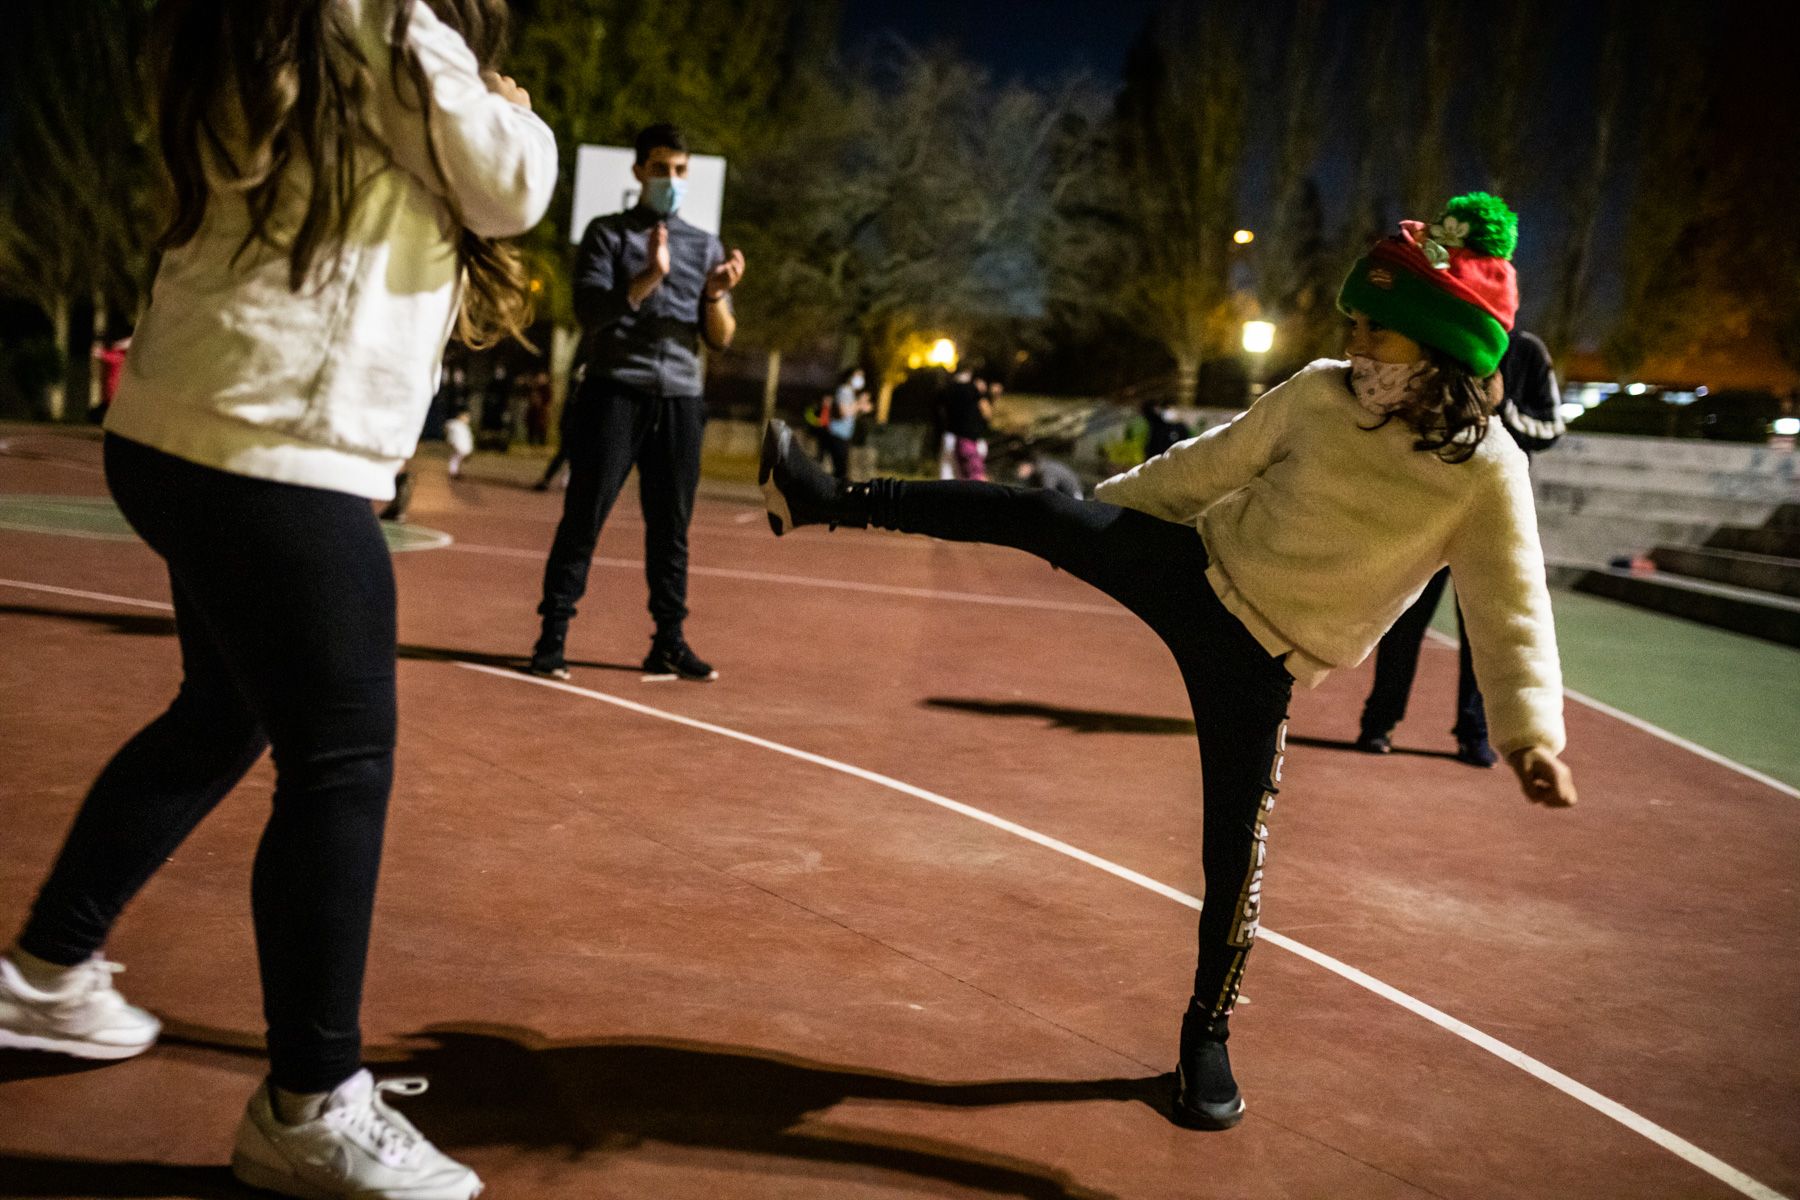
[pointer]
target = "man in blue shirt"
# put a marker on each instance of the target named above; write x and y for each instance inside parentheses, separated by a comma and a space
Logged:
(649, 288)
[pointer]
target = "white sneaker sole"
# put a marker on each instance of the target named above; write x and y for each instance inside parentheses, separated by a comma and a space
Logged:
(251, 1173)
(97, 1051)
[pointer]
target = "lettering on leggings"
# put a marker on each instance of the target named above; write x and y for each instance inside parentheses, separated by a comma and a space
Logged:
(1248, 913)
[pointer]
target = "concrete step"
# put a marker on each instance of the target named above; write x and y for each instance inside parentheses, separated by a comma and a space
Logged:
(1779, 543)
(1590, 540)
(1741, 610)
(1700, 510)
(1759, 572)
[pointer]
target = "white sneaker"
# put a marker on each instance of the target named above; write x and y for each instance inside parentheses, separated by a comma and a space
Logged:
(86, 1017)
(358, 1147)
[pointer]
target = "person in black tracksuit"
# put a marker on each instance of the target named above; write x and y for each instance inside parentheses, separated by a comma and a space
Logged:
(648, 288)
(1531, 414)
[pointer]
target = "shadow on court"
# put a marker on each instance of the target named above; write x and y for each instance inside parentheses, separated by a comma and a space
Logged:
(142, 625)
(499, 1086)
(1087, 720)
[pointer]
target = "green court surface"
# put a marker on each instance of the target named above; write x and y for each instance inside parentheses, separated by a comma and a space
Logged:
(91, 517)
(1737, 696)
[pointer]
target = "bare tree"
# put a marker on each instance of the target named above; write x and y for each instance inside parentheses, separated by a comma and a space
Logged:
(1585, 196)
(1179, 146)
(76, 201)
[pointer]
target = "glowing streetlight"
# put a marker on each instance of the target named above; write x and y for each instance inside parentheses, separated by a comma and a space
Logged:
(1258, 336)
(1244, 237)
(942, 353)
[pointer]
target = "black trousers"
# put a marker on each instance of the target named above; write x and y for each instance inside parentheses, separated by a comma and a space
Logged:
(284, 607)
(612, 430)
(1239, 692)
(1397, 662)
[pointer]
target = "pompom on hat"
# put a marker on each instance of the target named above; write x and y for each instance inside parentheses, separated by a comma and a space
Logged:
(1449, 285)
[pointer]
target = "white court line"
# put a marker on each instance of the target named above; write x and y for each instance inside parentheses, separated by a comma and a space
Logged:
(1716, 1167)
(1682, 1148)
(1656, 731)
(81, 595)
(841, 585)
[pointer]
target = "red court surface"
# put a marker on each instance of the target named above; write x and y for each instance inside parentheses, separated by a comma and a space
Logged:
(896, 907)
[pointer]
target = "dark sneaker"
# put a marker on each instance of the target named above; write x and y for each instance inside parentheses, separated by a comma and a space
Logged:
(795, 490)
(548, 666)
(1476, 754)
(1375, 743)
(671, 658)
(1206, 1095)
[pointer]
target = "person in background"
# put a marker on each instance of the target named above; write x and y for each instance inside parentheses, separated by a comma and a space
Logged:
(966, 413)
(1162, 428)
(537, 408)
(649, 289)
(1531, 411)
(558, 466)
(849, 401)
(461, 439)
(112, 362)
(1041, 471)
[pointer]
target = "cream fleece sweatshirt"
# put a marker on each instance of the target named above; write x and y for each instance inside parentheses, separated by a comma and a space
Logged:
(1323, 531)
(327, 387)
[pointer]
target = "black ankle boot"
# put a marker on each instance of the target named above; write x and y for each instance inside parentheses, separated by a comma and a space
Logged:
(797, 492)
(1206, 1095)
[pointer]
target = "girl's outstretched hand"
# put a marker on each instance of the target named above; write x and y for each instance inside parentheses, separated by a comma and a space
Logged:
(1543, 777)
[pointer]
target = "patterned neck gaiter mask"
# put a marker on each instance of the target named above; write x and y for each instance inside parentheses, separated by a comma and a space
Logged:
(1382, 387)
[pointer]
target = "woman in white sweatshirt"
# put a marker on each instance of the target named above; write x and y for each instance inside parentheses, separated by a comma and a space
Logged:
(1321, 513)
(340, 170)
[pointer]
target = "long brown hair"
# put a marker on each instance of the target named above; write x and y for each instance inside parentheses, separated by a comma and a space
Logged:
(1449, 412)
(252, 88)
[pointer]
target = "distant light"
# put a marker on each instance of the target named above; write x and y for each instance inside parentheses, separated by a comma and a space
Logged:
(1637, 389)
(1571, 411)
(942, 353)
(1787, 426)
(1243, 237)
(1701, 390)
(1258, 336)
(1679, 397)
(537, 285)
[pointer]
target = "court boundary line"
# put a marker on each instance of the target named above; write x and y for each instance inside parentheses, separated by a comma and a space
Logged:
(1712, 1165)
(1656, 731)
(1672, 1142)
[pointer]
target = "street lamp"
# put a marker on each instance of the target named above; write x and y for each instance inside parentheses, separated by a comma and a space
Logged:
(1244, 237)
(1258, 337)
(942, 354)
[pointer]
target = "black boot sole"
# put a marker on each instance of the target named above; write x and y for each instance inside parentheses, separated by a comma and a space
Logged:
(775, 439)
(1212, 1118)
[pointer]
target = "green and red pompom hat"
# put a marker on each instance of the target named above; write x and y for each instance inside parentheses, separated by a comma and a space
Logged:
(1449, 285)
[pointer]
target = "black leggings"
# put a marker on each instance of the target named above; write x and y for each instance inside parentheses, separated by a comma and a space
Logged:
(284, 606)
(1239, 691)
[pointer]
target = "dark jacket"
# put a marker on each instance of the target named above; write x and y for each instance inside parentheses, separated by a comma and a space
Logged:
(654, 349)
(1532, 409)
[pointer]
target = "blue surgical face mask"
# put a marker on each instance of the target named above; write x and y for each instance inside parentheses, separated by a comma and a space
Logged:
(663, 195)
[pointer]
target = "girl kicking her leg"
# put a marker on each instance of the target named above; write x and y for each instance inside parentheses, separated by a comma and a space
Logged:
(1281, 547)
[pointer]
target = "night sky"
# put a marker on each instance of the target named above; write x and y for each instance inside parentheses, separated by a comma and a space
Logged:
(1035, 39)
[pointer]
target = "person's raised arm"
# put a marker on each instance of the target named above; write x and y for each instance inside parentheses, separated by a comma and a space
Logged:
(718, 318)
(1497, 565)
(494, 158)
(1189, 477)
